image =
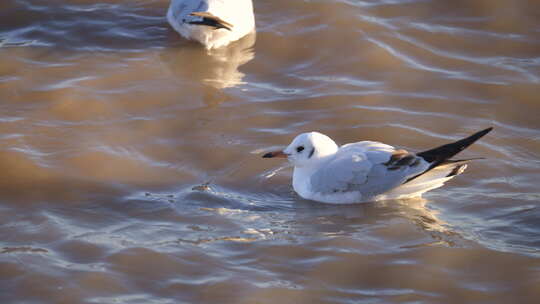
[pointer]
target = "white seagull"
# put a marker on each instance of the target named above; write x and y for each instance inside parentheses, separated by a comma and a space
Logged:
(214, 23)
(367, 170)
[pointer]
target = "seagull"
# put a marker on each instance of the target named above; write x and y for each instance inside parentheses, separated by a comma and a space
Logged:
(369, 171)
(214, 23)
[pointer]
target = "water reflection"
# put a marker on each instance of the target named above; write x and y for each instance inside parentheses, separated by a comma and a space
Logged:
(216, 68)
(335, 220)
(119, 186)
(254, 218)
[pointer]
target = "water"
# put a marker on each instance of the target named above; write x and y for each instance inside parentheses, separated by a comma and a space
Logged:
(131, 169)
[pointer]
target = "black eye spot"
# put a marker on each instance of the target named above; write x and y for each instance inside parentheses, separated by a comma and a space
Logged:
(300, 149)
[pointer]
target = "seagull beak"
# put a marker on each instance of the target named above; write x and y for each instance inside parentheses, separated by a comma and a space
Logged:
(278, 154)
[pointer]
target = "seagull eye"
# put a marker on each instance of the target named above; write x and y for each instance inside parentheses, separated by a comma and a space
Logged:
(300, 149)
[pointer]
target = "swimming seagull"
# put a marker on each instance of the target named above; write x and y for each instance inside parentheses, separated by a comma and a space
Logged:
(214, 23)
(368, 170)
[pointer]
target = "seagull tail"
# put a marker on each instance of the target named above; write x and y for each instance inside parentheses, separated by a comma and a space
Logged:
(428, 181)
(209, 19)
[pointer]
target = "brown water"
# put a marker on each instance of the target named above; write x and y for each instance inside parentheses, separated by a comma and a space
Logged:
(130, 158)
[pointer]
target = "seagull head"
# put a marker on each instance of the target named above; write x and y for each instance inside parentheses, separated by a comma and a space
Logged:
(306, 149)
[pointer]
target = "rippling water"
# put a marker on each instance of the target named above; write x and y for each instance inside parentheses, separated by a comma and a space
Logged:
(131, 169)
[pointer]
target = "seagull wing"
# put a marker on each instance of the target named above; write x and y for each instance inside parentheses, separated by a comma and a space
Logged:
(370, 168)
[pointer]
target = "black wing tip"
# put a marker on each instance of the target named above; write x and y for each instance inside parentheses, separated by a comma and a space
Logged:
(484, 132)
(211, 23)
(441, 155)
(444, 152)
(473, 138)
(476, 136)
(210, 20)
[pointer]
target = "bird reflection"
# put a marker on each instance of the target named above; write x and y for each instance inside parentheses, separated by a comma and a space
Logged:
(216, 68)
(350, 219)
(427, 219)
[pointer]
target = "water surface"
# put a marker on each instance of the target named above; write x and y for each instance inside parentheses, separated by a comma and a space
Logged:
(131, 169)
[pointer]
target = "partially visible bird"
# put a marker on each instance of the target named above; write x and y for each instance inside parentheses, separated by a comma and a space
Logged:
(214, 23)
(367, 170)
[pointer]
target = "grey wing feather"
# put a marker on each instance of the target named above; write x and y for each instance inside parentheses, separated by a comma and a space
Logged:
(370, 168)
(340, 173)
